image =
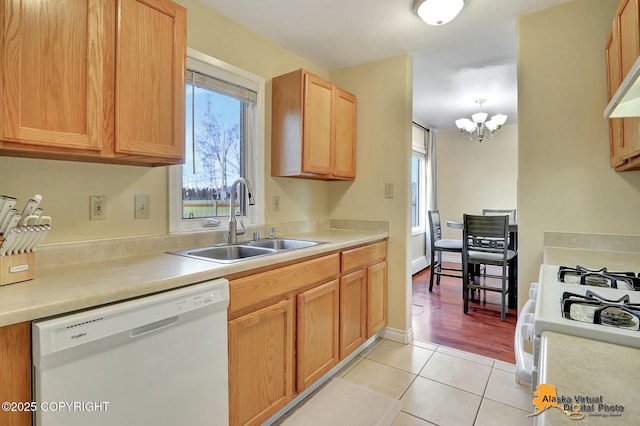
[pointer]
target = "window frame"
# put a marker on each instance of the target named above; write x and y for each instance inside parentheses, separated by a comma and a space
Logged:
(255, 169)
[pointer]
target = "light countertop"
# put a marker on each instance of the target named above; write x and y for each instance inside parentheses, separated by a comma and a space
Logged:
(606, 374)
(61, 289)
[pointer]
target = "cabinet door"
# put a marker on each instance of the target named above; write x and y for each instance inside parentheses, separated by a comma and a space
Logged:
(353, 312)
(150, 78)
(629, 50)
(317, 332)
(57, 74)
(317, 150)
(345, 134)
(614, 78)
(260, 363)
(376, 297)
(15, 371)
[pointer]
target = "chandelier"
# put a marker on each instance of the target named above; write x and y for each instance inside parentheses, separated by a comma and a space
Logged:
(478, 126)
(437, 12)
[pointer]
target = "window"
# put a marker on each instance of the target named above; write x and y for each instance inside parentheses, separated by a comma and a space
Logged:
(417, 192)
(224, 128)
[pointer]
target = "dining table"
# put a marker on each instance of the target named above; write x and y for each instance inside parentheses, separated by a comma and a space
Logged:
(512, 298)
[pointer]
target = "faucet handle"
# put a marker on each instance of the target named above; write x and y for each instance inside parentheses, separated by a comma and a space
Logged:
(240, 231)
(272, 232)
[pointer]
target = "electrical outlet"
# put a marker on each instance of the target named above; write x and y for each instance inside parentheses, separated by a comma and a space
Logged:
(388, 190)
(142, 206)
(97, 207)
(276, 203)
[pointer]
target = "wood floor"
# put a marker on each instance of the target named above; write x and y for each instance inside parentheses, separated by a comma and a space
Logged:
(438, 318)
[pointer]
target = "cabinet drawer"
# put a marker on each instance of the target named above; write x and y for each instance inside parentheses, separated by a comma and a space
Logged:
(251, 290)
(362, 256)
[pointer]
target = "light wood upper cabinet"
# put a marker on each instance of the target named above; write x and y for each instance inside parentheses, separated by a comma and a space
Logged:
(313, 131)
(57, 73)
(317, 146)
(93, 80)
(150, 84)
(622, 50)
(345, 134)
(614, 78)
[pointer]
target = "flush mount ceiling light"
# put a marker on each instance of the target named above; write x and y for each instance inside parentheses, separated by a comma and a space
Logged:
(475, 128)
(438, 12)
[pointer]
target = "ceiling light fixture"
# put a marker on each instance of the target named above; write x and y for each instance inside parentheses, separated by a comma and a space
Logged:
(475, 128)
(438, 12)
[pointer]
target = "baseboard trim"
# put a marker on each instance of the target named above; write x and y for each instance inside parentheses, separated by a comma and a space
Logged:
(400, 336)
(419, 264)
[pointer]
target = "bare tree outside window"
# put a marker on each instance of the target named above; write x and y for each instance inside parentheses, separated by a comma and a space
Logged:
(214, 161)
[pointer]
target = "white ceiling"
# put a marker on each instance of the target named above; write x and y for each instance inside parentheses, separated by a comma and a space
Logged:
(472, 57)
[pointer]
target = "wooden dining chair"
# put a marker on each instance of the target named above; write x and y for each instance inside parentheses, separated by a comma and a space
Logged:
(484, 242)
(438, 246)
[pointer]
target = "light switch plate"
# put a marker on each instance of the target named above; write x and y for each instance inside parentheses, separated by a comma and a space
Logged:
(388, 190)
(142, 206)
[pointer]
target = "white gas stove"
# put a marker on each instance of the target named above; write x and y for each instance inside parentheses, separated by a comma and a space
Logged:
(594, 304)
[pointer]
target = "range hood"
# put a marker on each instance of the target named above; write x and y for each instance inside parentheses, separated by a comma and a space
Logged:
(626, 100)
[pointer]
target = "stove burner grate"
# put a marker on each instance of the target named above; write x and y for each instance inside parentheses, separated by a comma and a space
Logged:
(595, 309)
(599, 278)
(616, 317)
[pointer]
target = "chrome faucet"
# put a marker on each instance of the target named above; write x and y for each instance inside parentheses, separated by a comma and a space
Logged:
(232, 235)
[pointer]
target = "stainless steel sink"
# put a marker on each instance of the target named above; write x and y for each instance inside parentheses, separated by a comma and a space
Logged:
(231, 253)
(284, 244)
(226, 253)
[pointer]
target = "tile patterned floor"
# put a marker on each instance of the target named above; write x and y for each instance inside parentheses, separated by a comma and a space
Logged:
(442, 386)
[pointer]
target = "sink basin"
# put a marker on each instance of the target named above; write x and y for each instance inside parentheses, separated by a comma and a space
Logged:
(284, 244)
(226, 253)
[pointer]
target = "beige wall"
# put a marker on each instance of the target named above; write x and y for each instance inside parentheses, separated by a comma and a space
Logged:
(473, 176)
(384, 91)
(565, 182)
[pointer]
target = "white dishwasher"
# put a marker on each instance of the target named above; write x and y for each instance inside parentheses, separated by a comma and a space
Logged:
(159, 360)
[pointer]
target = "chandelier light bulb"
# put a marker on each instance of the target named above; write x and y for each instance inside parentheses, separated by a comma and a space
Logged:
(479, 117)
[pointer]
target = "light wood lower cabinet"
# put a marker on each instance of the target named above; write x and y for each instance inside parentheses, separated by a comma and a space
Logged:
(290, 325)
(260, 363)
(15, 371)
(370, 260)
(317, 332)
(376, 297)
(353, 312)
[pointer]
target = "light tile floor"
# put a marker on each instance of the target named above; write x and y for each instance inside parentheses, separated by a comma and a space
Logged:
(442, 386)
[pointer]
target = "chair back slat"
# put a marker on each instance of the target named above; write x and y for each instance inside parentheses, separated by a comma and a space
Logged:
(499, 212)
(435, 226)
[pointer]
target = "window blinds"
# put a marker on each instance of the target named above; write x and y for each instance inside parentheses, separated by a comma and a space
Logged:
(205, 81)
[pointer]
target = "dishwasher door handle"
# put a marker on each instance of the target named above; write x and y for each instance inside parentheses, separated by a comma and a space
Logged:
(148, 328)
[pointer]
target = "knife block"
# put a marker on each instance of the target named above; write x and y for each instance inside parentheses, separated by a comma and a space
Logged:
(17, 267)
